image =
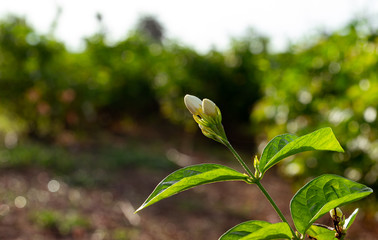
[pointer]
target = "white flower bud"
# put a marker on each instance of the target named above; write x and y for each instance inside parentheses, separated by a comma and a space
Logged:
(209, 108)
(338, 214)
(192, 103)
(208, 117)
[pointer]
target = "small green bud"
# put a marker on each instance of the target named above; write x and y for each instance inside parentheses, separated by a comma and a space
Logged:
(256, 162)
(299, 235)
(336, 214)
(256, 165)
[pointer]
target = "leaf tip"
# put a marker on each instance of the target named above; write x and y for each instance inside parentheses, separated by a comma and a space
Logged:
(140, 208)
(341, 150)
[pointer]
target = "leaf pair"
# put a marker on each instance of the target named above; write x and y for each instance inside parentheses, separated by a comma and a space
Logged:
(310, 203)
(277, 149)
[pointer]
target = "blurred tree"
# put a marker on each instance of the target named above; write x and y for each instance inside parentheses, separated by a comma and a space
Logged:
(331, 82)
(150, 26)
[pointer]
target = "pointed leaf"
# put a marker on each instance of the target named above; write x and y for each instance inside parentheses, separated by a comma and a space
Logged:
(286, 145)
(190, 177)
(321, 233)
(321, 195)
(258, 230)
(349, 221)
(275, 145)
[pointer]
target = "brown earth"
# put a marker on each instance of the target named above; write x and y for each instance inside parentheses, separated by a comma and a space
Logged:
(34, 207)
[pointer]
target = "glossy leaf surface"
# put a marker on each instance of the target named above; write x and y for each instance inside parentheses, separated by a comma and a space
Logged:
(321, 233)
(321, 195)
(190, 177)
(286, 145)
(258, 230)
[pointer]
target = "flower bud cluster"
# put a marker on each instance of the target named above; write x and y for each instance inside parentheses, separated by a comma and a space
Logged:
(208, 116)
(338, 219)
(336, 214)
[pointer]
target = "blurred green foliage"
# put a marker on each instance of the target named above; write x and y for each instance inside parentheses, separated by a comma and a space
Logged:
(87, 167)
(329, 80)
(60, 223)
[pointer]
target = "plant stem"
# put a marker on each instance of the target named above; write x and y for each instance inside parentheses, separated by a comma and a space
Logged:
(274, 205)
(240, 160)
(257, 181)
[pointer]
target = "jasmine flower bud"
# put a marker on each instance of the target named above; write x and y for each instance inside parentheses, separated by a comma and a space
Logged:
(208, 116)
(193, 104)
(209, 108)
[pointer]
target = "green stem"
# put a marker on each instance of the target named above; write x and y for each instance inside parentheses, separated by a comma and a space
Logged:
(257, 181)
(274, 205)
(240, 160)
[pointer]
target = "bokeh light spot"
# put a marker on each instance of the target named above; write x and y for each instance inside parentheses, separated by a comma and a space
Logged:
(293, 169)
(4, 209)
(364, 84)
(20, 202)
(353, 174)
(304, 97)
(53, 186)
(370, 114)
(334, 67)
(10, 140)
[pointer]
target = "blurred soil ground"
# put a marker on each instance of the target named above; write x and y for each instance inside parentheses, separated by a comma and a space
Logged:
(37, 204)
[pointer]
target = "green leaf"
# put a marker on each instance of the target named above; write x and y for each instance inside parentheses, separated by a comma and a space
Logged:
(257, 230)
(349, 221)
(321, 233)
(321, 195)
(286, 145)
(275, 145)
(190, 177)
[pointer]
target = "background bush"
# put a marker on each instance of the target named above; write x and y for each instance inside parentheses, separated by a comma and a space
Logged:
(329, 80)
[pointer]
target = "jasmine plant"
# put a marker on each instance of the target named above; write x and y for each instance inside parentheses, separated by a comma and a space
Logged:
(322, 195)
